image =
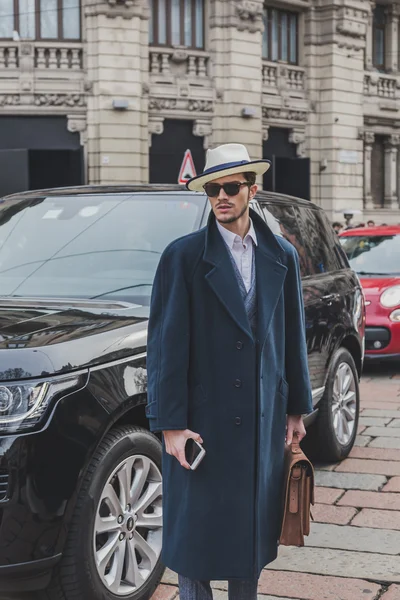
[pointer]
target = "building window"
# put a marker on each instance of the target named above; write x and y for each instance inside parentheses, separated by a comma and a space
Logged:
(379, 37)
(41, 19)
(378, 171)
(280, 38)
(177, 23)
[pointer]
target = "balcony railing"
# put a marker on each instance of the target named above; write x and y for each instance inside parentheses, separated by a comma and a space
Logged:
(60, 56)
(381, 85)
(64, 57)
(175, 62)
(9, 56)
(283, 76)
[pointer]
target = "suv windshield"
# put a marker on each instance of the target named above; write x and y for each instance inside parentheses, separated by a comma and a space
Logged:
(373, 254)
(90, 246)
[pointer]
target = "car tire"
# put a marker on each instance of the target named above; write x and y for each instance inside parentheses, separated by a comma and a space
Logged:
(77, 576)
(325, 440)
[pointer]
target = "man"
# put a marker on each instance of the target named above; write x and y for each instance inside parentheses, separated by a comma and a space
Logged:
(370, 223)
(337, 227)
(227, 366)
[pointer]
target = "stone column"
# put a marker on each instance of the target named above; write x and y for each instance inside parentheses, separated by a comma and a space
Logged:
(392, 48)
(77, 122)
(117, 71)
(391, 150)
(369, 38)
(335, 41)
(369, 137)
(235, 38)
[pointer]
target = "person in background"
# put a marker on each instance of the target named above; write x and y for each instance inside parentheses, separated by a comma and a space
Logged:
(337, 227)
(370, 223)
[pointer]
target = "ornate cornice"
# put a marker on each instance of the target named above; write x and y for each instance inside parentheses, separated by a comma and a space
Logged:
(250, 15)
(284, 114)
(60, 100)
(127, 9)
(298, 137)
(10, 100)
(56, 100)
(180, 104)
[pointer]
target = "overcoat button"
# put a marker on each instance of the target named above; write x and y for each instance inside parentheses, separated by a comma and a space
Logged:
(238, 383)
(239, 345)
(238, 421)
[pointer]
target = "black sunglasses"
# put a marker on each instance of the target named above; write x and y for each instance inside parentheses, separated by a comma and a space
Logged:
(231, 189)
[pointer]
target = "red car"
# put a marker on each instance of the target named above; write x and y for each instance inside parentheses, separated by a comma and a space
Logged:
(374, 253)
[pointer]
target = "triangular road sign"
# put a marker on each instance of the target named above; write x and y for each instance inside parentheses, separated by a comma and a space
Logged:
(187, 169)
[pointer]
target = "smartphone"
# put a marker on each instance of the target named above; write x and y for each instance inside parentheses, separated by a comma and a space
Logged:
(194, 453)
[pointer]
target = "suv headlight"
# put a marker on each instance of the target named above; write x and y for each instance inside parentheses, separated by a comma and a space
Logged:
(391, 297)
(23, 404)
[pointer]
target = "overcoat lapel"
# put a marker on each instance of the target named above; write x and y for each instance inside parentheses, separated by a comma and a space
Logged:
(222, 278)
(270, 275)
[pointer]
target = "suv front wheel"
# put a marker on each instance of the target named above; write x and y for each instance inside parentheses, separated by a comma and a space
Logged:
(332, 436)
(115, 537)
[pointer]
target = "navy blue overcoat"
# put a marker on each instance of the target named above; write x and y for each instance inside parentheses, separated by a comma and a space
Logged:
(207, 373)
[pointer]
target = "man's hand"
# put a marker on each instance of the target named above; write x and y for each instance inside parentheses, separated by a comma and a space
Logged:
(175, 442)
(294, 424)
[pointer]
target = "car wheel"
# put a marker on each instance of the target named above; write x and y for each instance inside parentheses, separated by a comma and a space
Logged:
(332, 435)
(114, 542)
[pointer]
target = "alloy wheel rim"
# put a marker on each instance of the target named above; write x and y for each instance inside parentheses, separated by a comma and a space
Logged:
(344, 403)
(127, 534)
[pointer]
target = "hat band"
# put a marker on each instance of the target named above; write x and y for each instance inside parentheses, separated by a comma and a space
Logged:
(224, 166)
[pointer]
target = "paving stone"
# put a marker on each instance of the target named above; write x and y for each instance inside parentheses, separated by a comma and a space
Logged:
(325, 466)
(380, 519)
(315, 587)
(361, 428)
(325, 495)
(365, 539)
(223, 595)
(393, 593)
(339, 515)
(165, 592)
(393, 485)
(394, 423)
(349, 481)
(359, 465)
(383, 431)
(374, 421)
(385, 442)
(370, 412)
(359, 499)
(339, 563)
(375, 453)
(170, 577)
(362, 440)
(376, 404)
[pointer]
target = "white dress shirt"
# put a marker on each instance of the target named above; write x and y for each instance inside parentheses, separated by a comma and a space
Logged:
(242, 250)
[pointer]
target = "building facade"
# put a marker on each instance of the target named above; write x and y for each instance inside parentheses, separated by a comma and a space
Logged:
(115, 91)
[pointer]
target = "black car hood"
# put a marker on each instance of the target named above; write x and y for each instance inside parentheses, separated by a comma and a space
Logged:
(48, 340)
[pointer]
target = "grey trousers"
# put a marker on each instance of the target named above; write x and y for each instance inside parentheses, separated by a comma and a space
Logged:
(238, 589)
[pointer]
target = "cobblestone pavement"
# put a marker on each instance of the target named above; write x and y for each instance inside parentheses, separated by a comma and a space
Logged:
(353, 552)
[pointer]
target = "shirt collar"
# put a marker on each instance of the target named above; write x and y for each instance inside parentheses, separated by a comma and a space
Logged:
(230, 238)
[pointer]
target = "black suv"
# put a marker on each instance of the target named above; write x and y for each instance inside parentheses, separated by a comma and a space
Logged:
(80, 474)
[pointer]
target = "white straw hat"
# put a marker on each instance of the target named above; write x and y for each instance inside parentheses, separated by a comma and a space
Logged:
(227, 159)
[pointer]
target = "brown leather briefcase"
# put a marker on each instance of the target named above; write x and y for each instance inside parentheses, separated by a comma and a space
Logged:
(298, 496)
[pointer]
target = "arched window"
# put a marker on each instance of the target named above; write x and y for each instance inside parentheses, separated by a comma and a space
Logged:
(40, 19)
(177, 23)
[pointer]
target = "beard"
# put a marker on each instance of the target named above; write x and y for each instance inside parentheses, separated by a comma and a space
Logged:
(237, 217)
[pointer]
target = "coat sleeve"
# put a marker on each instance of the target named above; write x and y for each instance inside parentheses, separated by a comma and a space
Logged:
(168, 347)
(296, 361)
